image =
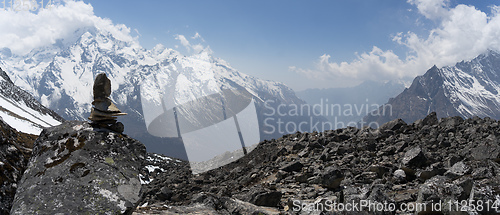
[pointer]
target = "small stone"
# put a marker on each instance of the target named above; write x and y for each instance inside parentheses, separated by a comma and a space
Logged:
(399, 175)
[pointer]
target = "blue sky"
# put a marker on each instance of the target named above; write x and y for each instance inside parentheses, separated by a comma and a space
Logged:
(264, 38)
(304, 44)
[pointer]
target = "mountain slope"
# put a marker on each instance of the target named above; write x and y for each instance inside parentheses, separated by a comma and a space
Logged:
(61, 77)
(470, 88)
(21, 110)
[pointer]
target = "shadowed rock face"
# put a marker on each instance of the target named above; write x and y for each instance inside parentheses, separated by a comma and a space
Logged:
(77, 169)
(15, 149)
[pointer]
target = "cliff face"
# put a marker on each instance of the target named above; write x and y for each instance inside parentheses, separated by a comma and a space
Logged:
(15, 150)
(77, 169)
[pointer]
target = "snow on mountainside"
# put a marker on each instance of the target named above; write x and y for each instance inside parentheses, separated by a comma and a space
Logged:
(470, 88)
(61, 76)
(20, 110)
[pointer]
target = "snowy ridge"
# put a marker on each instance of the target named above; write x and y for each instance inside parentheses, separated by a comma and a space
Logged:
(473, 87)
(21, 111)
(467, 89)
(61, 76)
(66, 72)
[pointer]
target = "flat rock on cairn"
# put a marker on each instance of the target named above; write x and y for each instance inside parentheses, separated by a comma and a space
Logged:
(104, 112)
(78, 169)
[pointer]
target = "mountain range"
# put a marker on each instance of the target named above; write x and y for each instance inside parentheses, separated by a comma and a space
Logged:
(469, 88)
(61, 76)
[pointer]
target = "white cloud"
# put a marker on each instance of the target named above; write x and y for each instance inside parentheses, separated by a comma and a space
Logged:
(137, 32)
(431, 9)
(22, 31)
(198, 36)
(463, 33)
(184, 42)
(197, 48)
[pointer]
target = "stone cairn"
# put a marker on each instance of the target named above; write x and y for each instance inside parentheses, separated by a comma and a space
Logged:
(104, 113)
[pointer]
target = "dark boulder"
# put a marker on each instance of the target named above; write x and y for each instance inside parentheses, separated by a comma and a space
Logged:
(331, 177)
(15, 149)
(414, 157)
(76, 169)
(293, 166)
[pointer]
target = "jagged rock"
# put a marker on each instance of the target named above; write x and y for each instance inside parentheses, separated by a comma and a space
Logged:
(293, 166)
(414, 157)
(440, 189)
(430, 119)
(15, 150)
(449, 124)
(77, 169)
(488, 150)
(432, 171)
(392, 125)
(457, 170)
(331, 177)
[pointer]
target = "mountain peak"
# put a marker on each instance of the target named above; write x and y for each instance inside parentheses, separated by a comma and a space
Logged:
(470, 88)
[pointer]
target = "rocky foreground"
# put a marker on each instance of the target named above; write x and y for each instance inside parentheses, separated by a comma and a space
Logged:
(447, 166)
(77, 169)
(15, 150)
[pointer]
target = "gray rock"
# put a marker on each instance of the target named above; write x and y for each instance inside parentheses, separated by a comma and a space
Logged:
(399, 175)
(392, 125)
(430, 119)
(76, 169)
(457, 170)
(414, 157)
(331, 177)
(485, 151)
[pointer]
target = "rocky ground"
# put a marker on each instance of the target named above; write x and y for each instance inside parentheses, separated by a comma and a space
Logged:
(15, 151)
(447, 166)
(79, 169)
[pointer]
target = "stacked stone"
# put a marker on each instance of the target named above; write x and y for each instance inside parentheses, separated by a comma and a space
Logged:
(104, 112)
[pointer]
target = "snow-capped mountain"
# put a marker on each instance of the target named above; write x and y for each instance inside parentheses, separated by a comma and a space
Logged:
(470, 88)
(21, 110)
(61, 76)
